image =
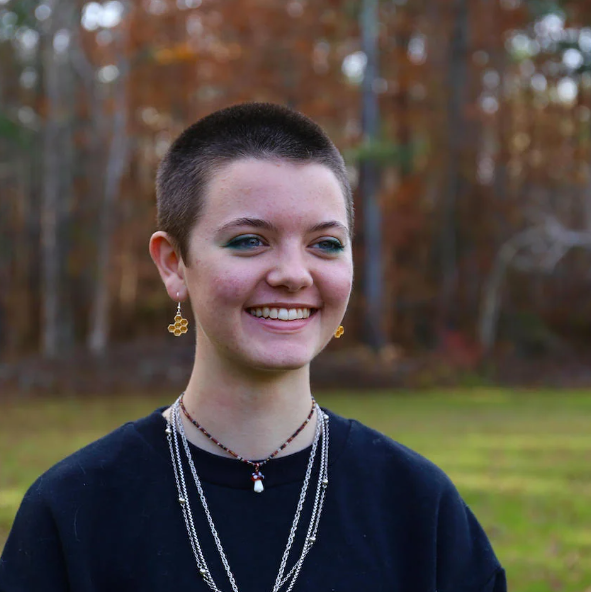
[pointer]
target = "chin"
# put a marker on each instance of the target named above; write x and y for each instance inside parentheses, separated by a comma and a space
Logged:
(278, 363)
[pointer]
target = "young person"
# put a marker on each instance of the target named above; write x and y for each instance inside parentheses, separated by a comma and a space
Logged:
(244, 482)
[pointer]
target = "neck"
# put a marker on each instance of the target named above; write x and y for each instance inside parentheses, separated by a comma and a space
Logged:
(250, 412)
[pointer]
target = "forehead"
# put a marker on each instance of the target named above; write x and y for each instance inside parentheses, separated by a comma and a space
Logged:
(273, 189)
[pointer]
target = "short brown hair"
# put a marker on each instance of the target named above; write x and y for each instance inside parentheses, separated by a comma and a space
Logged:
(250, 130)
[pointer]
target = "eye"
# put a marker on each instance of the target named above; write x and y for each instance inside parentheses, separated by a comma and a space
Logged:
(329, 245)
(245, 242)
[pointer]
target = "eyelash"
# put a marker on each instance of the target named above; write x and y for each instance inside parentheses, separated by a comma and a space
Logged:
(335, 246)
(240, 243)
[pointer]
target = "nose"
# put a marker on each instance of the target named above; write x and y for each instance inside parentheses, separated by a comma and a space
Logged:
(290, 270)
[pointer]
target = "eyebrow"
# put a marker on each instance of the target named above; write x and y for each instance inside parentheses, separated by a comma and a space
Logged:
(266, 225)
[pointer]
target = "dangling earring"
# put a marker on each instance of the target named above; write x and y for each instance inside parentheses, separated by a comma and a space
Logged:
(339, 331)
(179, 327)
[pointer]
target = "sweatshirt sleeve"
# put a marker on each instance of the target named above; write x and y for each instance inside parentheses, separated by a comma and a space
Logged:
(498, 582)
(466, 561)
(32, 560)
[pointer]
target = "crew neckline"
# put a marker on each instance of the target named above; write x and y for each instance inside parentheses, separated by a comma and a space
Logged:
(232, 473)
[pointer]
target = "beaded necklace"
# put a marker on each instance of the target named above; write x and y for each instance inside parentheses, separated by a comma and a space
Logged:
(286, 578)
(257, 477)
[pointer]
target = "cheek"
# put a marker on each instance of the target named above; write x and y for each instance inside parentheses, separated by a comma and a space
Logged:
(229, 288)
(337, 286)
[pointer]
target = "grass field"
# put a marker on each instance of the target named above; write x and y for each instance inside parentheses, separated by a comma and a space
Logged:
(522, 461)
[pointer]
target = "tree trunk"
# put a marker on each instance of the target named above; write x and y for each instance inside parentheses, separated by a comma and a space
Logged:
(458, 89)
(50, 199)
(369, 181)
(57, 330)
(116, 163)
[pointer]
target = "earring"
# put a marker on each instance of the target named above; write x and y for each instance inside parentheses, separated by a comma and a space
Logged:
(339, 331)
(179, 327)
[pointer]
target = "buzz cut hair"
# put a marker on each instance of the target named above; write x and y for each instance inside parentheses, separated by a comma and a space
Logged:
(264, 131)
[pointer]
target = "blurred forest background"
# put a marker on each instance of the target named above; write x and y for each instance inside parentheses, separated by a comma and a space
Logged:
(466, 126)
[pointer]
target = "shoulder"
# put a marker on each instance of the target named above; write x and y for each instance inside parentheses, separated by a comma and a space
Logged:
(373, 452)
(82, 499)
(93, 468)
(415, 495)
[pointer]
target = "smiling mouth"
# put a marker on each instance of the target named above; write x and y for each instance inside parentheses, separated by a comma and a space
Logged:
(282, 314)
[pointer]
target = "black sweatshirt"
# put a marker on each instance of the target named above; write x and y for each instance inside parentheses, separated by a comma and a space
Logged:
(107, 518)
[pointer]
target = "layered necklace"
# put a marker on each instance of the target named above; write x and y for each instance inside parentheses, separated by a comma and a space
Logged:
(257, 477)
(177, 441)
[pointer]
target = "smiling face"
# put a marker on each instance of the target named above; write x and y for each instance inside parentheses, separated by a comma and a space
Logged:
(272, 241)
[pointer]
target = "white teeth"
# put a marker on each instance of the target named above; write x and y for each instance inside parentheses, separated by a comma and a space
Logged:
(283, 314)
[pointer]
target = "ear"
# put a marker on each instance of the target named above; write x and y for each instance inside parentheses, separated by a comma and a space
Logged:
(170, 265)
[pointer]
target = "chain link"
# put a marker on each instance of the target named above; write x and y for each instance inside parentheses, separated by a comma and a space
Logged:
(175, 428)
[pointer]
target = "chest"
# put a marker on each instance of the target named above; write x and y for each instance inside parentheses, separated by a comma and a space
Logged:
(354, 550)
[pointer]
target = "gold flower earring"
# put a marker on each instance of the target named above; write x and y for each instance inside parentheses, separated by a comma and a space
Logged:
(339, 331)
(179, 327)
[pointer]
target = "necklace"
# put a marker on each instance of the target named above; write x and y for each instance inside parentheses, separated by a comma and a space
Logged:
(175, 428)
(257, 477)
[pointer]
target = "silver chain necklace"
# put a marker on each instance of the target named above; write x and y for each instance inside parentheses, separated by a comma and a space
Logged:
(174, 428)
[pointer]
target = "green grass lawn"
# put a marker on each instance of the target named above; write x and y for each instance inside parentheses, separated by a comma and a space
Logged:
(522, 461)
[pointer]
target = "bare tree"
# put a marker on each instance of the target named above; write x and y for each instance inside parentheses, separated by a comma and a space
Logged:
(369, 180)
(537, 249)
(115, 167)
(57, 178)
(457, 103)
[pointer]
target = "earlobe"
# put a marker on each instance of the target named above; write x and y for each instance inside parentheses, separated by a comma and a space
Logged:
(169, 264)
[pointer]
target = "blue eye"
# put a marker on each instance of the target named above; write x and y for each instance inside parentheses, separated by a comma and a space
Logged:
(245, 242)
(330, 245)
